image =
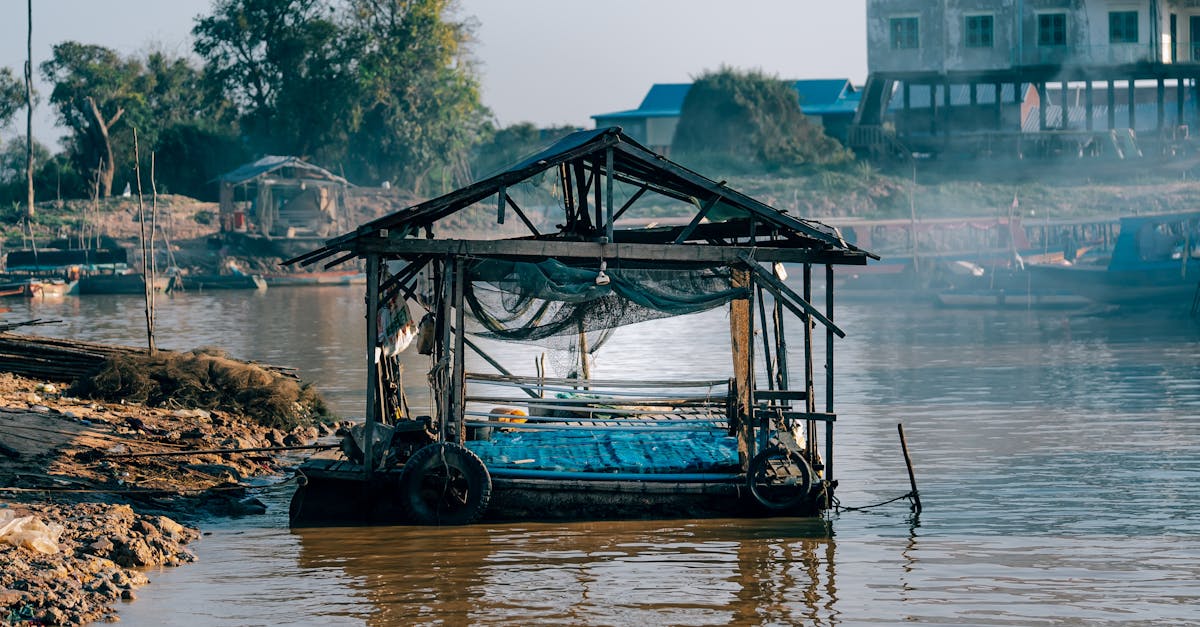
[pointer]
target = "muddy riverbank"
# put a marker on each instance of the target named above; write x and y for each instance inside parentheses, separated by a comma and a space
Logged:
(94, 491)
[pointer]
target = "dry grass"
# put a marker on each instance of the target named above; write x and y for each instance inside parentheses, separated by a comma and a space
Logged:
(206, 379)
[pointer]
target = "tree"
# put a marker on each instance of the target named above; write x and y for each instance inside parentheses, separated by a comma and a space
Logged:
(93, 89)
(420, 106)
(282, 64)
(750, 118)
(12, 96)
(13, 157)
(503, 147)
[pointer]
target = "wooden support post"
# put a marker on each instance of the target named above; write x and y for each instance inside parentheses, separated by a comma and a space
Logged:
(608, 223)
(739, 340)
(443, 365)
(809, 399)
(597, 193)
(373, 264)
(829, 373)
(781, 368)
(459, 373)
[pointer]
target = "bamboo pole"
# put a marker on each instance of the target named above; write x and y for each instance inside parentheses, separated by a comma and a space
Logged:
(146, 278)
(29, 209)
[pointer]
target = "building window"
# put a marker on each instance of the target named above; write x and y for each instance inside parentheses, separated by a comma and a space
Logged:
(1123, 27)
(979, 31)
(905, 33)
(1052, 29)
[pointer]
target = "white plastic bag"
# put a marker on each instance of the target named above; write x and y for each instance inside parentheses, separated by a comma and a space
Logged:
(29, 532)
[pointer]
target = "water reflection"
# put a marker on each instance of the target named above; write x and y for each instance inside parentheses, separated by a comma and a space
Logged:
(1058, 458)
(662, 573)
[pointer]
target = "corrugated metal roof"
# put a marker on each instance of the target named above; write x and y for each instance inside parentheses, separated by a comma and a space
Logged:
(271, 163)
(818, 96)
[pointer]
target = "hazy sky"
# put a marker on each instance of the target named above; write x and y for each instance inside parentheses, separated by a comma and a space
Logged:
(545, 61)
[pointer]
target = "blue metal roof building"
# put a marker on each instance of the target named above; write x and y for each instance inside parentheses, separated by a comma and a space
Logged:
(832, 102)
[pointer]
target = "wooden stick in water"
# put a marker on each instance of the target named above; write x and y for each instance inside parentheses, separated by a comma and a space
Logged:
(912, 479)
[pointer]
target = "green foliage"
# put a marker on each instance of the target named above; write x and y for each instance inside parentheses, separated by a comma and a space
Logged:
(747, 120)
(150, 94)
(387, 92)
(189, 155)
(12, 96)
(420, 106)
(50, 176)
(284, 66)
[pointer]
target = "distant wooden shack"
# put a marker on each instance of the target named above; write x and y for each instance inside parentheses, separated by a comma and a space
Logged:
(506, 444)
(279, 196)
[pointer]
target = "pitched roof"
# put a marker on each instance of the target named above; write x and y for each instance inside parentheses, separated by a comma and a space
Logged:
(633, 164)
(272, 163)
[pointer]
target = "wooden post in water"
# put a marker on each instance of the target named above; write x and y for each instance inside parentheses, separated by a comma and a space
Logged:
(739, 340)
(912, 479)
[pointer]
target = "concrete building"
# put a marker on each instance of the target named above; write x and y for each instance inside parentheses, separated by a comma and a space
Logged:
(1089, 67)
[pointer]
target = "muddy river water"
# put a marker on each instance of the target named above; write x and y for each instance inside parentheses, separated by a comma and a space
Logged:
(1058, 457)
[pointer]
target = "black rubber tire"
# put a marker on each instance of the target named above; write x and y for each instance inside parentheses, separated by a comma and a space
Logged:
(444, 484)
(774, 495)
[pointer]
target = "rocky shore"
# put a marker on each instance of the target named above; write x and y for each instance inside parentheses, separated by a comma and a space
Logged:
(88, 499)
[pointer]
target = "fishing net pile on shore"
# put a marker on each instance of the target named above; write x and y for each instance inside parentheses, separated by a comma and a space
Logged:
(205, 379)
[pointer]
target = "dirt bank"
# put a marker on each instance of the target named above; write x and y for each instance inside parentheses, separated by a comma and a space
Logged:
(70, 462)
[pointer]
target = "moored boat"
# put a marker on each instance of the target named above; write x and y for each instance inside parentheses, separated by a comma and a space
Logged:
(203, 282)
(532, 446)
(130, 283)
(1155, 260)
(300, 279)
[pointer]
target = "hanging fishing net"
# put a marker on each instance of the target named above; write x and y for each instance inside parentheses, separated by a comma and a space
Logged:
(531, 302)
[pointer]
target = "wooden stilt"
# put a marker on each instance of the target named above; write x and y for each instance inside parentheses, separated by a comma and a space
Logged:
(372, 365)
(739, 336)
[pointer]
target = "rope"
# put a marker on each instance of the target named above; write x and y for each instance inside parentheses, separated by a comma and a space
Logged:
(838, 507)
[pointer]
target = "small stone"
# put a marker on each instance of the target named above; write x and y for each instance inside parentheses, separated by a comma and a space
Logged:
(128, 595)
(102, 546)
(41, 409)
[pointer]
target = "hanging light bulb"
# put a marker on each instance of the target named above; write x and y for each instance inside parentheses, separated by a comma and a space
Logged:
(601, 277)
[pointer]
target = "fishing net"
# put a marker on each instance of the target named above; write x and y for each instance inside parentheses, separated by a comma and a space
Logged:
(531, 302)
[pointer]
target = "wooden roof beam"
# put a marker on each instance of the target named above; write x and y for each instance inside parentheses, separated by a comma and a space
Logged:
(524, 248)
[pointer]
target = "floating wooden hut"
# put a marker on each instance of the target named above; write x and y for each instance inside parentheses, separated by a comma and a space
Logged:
(501, 445)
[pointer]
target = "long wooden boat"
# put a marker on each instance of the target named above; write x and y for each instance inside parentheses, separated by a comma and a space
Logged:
(132, 283)
(307, 279)
(204, 282)
(529, 446)
(1155, 260)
